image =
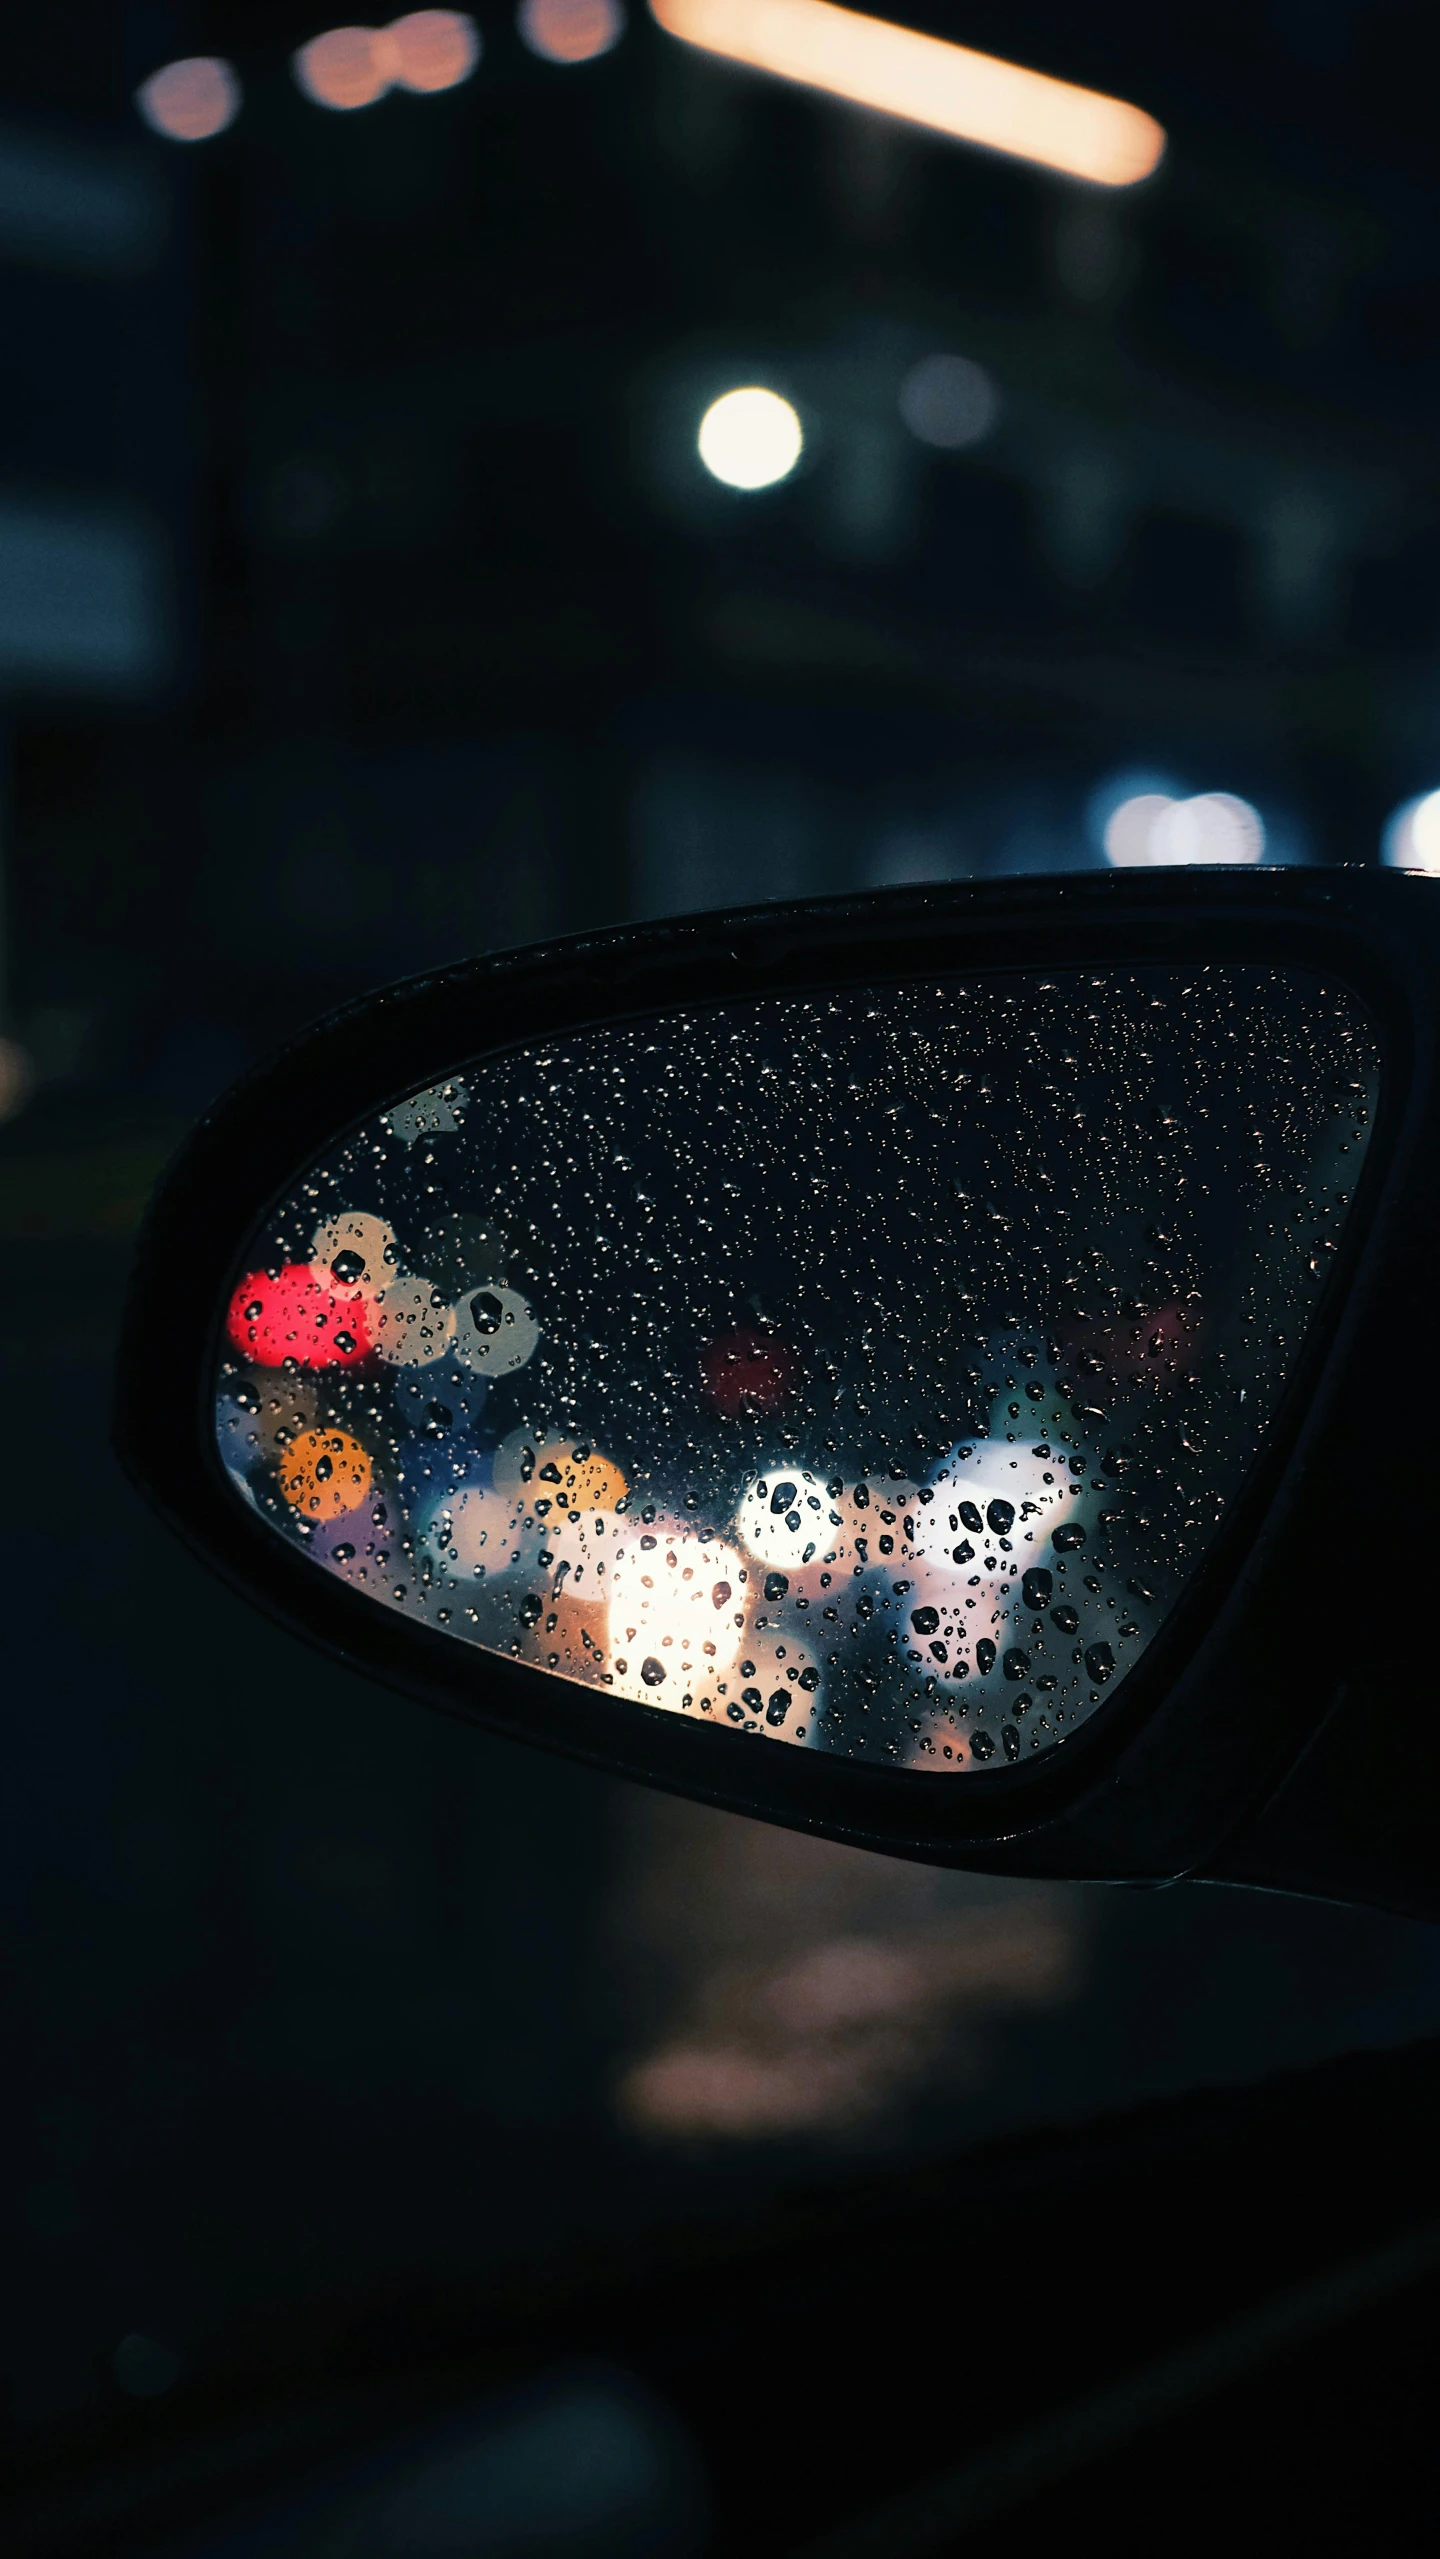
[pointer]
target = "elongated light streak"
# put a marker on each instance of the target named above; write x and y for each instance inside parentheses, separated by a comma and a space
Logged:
(972, 96)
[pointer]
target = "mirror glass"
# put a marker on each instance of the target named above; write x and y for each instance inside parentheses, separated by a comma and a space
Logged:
(861, 1372)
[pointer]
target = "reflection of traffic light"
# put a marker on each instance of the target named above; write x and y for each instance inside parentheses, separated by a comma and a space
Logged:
(292, 1313)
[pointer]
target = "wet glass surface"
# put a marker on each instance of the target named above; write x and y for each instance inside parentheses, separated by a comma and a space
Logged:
(866, 1371)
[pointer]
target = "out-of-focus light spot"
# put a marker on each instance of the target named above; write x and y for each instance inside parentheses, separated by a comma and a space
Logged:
(325, 1474)
(427, 50)
(1129, 828)
(1412, 836)
(789, 1517)
(1152, 830)
(441, 1405)
(1131, 782)
(192, 100)
(532, 1467)
(1213, 827)
(495, 1331)
(1155, 1350)
(293, 1314)
(413, 1323)
(750, 438)
(835, 2030)
(340, 69)
(739, 2093)
(17, 1077)
(948, 401)
(82, 598)
(571, 30)
(971, 96)
(477, 1532)
(430, 50)
(358, 1250)
(79, 206)
(677, 1614)
(747, 1372)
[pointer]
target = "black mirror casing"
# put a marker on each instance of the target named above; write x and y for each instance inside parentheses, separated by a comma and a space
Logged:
(1262, 1712)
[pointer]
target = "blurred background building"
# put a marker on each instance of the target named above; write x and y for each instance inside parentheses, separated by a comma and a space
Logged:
(386, 573)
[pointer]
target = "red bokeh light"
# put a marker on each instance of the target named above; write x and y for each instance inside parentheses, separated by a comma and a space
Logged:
(1153, 1349)
(293, 1314)
(747, 1372)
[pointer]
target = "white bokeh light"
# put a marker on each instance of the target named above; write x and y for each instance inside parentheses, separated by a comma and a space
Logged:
(750, 438)
(677, 1612)
(1412, 835)
(786, 1519)
(1128, 828)
(1151, 830)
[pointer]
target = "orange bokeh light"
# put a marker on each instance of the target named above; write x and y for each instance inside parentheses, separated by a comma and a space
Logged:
(571, 30)
(340, 69)
(325, 1474)
(427, 50)
(431, 49)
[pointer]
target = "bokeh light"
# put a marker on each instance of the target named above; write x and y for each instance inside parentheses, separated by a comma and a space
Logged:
(571, 30)
(192, 100)
(495, 1331)
(1214, 826)
(413, 1322)
(789, 1515)
(430, 50)
(17, 1078)
(947, 401)
(747, 1371)
(677, 1614)
(292, 1314)
(426, 51)
(1153, 831)
(476, 1532)
(1129, 827)
(340, 69)
(325, 1474)
(1411, 840)
(358, 1250)
(441, 1403)
(900, 72)
(750, 438)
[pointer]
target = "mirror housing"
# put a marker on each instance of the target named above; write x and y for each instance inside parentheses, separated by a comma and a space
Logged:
(1275, 1621)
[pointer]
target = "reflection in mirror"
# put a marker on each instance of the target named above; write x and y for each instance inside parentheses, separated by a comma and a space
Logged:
(865, 1372)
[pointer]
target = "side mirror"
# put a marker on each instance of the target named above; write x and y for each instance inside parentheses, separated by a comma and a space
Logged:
(945, 1369)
